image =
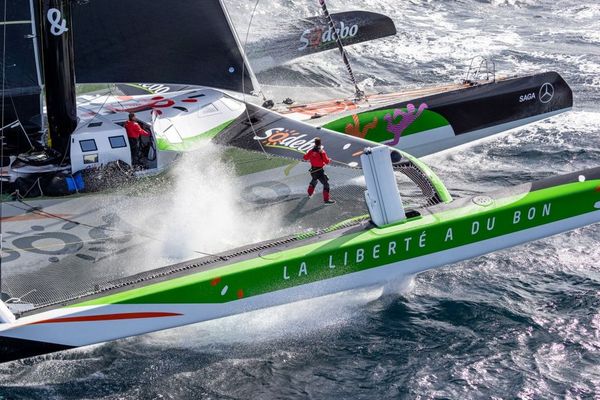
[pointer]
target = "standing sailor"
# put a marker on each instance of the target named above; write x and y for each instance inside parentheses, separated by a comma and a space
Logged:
(134, 132)
(318, 159)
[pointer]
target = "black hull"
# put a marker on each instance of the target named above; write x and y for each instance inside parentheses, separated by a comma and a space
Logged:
(16, 349)
(501, 102)
(438, 119)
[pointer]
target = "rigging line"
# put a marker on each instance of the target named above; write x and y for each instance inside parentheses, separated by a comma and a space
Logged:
(357, 92)
(81, 126)
(65, 243)
(2, 139)
(12, 101)
(244, 80)
(110, 90)
(37, 182)
(244, 51)
(35, 210)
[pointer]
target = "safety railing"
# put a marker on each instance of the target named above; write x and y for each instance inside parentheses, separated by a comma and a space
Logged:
(481, 69)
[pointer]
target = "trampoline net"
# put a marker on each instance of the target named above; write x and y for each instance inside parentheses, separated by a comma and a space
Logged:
(60, 249)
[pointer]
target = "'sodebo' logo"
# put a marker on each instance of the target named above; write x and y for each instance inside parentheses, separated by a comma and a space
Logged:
(286, 138)
(317, 36)
(58, 25)
(546, 92)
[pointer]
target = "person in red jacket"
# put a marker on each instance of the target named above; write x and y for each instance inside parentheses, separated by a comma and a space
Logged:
(318, 160)
(134, 133)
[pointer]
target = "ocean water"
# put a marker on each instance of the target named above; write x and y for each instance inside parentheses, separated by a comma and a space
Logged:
(521, 323)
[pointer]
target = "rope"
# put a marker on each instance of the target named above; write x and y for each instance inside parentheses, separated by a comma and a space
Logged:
(80, 127)
(20, 298)
(244, 80)
(12, 102)
(357, 92)
(37, 211)
(2, 144)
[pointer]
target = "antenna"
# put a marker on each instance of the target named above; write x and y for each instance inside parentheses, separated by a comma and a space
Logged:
(357, 92)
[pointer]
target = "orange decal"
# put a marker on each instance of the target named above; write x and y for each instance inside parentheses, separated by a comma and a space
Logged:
(355, 130)
(33, 216)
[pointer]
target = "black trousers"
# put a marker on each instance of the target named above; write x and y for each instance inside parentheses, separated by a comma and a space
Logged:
(135, 150)
(319, 175)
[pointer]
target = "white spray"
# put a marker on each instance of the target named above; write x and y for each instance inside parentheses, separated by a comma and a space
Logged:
(204, 214)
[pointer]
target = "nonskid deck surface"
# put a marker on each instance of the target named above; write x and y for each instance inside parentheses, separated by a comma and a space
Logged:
(63, 248)
(69, 282)
(322, 111)
(328, 98)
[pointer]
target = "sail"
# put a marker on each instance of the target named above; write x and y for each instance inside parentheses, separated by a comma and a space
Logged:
(20, 100)
(167, 41)
(306, 36)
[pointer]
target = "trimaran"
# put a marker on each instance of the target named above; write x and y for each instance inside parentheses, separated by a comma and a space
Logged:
(90, 289)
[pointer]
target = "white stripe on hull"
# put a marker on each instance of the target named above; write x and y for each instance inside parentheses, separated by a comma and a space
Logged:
(427, 138)
(432, 144)
(84, 333)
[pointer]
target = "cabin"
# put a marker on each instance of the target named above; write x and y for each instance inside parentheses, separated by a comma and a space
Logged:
(177, 122)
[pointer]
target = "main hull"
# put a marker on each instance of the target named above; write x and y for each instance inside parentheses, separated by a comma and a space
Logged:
(427, 121)
(341, 259)
(433, 119)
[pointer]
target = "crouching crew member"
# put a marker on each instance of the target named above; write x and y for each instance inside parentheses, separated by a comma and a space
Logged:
(318, 159)
(134, 132)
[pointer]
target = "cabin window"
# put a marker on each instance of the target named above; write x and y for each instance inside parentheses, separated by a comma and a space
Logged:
(88, 145)
(116, 142)
(231, 104)
(90, 158)
(207, 110)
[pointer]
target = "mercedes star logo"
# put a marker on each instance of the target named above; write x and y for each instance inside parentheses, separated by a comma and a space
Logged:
(546, 92)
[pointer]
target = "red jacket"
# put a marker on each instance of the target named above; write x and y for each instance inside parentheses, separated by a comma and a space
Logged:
(134, 130)
(318, 159)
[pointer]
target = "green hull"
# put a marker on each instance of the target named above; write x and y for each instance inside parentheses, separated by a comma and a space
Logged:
(348, 256)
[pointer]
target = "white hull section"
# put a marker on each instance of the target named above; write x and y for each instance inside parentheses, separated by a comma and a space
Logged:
(426, 139)
(90, 332)
(431, 142)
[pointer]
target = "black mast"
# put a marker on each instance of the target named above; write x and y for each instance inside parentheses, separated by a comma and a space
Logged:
(59, 71)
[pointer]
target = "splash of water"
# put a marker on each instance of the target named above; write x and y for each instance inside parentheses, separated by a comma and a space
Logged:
(295, 320)
(204, 212)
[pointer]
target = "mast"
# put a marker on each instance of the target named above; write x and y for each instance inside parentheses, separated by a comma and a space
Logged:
(2, 140)
(59, 71)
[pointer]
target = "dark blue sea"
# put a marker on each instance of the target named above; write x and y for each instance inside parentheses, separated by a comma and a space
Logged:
(521, 323)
